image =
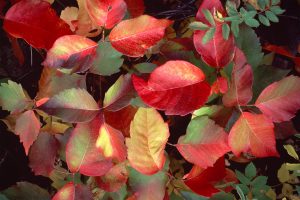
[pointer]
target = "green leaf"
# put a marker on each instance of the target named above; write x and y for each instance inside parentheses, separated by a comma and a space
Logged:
(276, 10)
(291, 151)
(13, 98)
(250, 170)
(192, 196)
(259, 181)
(283, 174)
(244, 188)
(231, 8)
(262, 4)
(235, 28)
(118, 195)
(249, 43)
(271, 16)
(252, 22)
(2, 197)
(198, 26)
(208, 35)
(26, 191)
(232, 18)
(108, 60)
(242, 178)
(263, 20)
(275, 2)
(240, 192)
(72, 105)
(145, 67)
(250, 14)
(225, 31)
(209, 17)
(222, 196)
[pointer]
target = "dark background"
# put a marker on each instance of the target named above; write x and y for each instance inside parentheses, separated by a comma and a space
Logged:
(14, 163)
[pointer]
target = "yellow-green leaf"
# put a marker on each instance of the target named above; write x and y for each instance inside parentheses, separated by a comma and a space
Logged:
(291, 151)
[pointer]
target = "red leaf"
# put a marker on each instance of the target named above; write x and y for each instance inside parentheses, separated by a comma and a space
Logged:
(220, 86)
(28, 128)
(218, 52)
(43, 153)
(204, 143)
(73, 192)
(135, 7)
(177, 87)
(253, 133)
(202, 181)
(36, 22)
(72, 52)
(114, 179)
(240, 90)
(82, 155)
(281, 100)
(134, 37)
(106, 13)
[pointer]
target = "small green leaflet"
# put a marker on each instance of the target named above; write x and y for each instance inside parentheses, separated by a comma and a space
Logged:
(225, 31)
(252, 22)
(240, 192)
(208, 35)
(250, 170)
(209, 17)
(198, 26)
(276, 10)
(145, 67)
(271, 16)
(235, 28)
(263, 20)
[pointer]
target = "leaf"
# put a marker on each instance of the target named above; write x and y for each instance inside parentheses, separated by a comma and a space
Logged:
(148, 137)
(111, 142)
(249, 43)
(135, 7)
(204, 143)
(250, 170)
(209, 17)
(69, 15)
(145, 67)
(242, 178)
(252, 22)
(235, 28)
(271, 16)
(73, 192)
(42, 154)
(53, 81)
(260, 181)
(36, 22)
(72, 105)
(291, 151)
(26, 191)
(108, 60)
(148, 187)
(240, 89)
(218, 52)
(106, 13)
(263, 20)
(82, 154)
(276, 10)
(177, 87)
(208, 35)
(240, 192)
(225, 31)
(28, 128)
(134, 37)
(283, 174)
(119, 94)
(198, 26)
(280, 100)
(71, 52)
(253, 133)
(13, 98)
(114, 179)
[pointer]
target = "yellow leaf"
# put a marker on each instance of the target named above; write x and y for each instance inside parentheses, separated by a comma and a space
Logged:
(293, 166)
(283, 174)
(291, 151)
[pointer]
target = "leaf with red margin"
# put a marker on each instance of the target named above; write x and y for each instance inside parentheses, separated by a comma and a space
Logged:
(134, 37)
(119, 94)
(43, 153)
(240, 90)
(148, 137)
(135, 7)
(114, 179)
(106, 13)
(203, 182)
(73, 192)
(253, 133)
(28, 128)
(111, 142)
(72, 52)
(281, 100)
(217, 52)
(36, 22)
(177, 87)
(204, 143)
(121, 119)
(82, 155)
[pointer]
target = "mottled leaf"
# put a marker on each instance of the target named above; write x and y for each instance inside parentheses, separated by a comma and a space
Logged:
(73, 191)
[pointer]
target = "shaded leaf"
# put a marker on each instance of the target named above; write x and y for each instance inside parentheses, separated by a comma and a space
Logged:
(28, 128)
(72, 105)
(250, 170)
(148, 137)
(253, 133)
(134, 37)
(73, 192)
(177, 87)
(135, 7)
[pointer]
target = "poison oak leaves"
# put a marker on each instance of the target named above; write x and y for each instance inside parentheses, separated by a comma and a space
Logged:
(36, 22)
(148, 137)
(217, 52)
(177, 87)
(134, 37)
